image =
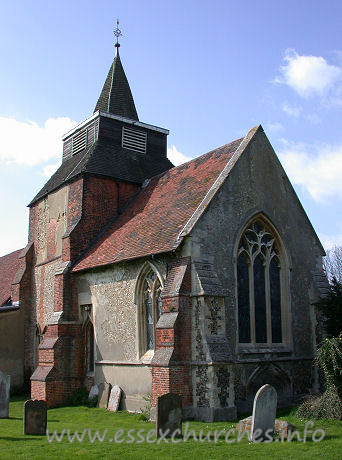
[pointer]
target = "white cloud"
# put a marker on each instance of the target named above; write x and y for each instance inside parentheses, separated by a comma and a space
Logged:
(176, 157)
(292, 111)
(330, 241)
(28, 144)
(48, 170)
(314, 118)
(308, 75)
(274, 128)
(13, 235)
(319, 171)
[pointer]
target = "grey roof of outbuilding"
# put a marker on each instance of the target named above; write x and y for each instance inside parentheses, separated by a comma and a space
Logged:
(106, 160)
(116, 96)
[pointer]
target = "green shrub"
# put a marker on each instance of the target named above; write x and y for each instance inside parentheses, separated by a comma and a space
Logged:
(328, 406)
(329, 357)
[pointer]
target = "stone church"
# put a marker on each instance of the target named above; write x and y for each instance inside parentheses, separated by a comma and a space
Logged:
(199, 279)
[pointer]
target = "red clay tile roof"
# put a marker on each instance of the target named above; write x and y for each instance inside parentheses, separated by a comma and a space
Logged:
(9, 265)
(153, 221)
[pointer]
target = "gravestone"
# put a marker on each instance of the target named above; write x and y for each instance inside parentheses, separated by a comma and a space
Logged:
(104, 392)
(35, 417)
(5, 384)
(169, 415)
(264, 411)
(114, 398)
(94, 392)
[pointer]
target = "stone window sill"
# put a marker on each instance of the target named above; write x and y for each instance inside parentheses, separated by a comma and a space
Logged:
(264, 349)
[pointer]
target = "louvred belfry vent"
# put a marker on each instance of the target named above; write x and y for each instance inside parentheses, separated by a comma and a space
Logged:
(134, 140)
(81, 139)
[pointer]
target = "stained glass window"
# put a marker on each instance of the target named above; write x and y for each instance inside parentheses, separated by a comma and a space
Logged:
(259, 301)
(89, 346)
(275, 301)
(91, 349)
(243, 300)
(149, 320)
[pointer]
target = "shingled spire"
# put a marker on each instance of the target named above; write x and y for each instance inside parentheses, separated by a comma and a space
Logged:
(116, 96)
(112, 142)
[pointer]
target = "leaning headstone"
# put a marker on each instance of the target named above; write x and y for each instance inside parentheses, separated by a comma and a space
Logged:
(104, 392)
(35, 417)
(5, 384)
(169, 415)
(114, 399)
(264, 412)
(94, 392)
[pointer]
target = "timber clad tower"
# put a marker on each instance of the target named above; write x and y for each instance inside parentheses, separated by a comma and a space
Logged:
(198, 280)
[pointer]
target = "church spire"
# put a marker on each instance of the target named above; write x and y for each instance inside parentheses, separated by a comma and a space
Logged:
(116, 96)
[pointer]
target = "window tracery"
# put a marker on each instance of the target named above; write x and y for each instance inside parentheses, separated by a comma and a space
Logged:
(152, 307)
(259, 286)
(89, 339)
(148, 299)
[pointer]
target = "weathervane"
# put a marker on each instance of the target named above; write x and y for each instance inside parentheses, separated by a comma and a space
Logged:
(117, 33)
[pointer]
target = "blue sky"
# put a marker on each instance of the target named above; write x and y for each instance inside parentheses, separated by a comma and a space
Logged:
(208, 71)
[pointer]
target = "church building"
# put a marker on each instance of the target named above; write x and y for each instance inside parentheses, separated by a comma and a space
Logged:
(198, 280)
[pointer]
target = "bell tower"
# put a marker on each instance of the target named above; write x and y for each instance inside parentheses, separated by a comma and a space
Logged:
(106, 159)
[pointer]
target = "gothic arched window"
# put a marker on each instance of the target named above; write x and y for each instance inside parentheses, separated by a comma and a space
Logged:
(90, 348)
(259, 286)
(149, 307)
(89, 342)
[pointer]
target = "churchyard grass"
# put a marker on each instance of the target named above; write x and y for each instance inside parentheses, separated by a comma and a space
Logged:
(15, 445)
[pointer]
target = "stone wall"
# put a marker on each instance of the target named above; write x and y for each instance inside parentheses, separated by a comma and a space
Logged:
(257, 185)
(62, 224)
(48, 222)
(213, 385)
(43, 290)
(50, 225)
(112, 294)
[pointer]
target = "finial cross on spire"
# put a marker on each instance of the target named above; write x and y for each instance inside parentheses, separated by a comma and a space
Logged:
(117, 33)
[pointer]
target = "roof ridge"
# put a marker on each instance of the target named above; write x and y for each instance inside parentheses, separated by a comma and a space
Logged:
(209, 153)
(179, 167)
(217, 184)
(11, 253)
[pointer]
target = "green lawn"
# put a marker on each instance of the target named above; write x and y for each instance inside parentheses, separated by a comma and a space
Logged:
(14, 445)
